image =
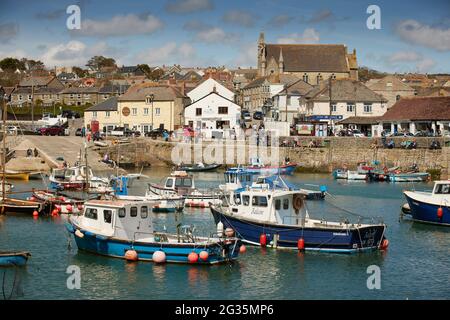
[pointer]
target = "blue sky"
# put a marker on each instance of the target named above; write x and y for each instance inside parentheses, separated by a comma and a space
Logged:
(414, 35)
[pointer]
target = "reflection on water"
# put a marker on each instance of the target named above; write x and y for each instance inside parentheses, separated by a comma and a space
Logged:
(416, 264)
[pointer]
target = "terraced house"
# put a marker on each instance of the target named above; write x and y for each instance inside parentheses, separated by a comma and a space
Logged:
(43, 90)
(146, 106)
(80, 95)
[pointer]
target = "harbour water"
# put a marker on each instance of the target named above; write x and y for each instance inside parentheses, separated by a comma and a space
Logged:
(416, 265)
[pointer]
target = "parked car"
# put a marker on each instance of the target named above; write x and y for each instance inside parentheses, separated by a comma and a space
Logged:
(157, 132)
(258, 115)
(246, 116)
(122, 132)
(400, 134)
(70, 114)
(423, 134)
(357, 133)
(52, 131)
(78, 132)
(12, 130)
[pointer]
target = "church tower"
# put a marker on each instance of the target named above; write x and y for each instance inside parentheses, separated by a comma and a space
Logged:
(261, 55)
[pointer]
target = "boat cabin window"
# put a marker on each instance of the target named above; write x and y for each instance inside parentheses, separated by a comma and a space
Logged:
(277, 204)
(169, 183)
(237, 198)
(133, 212)
(183, 182)
(246, 200)
(285, 204)
(107, 215)
(144, 212)
(69, 173)
(442, 189)
(91, 213)
(121, 212)
(259, 201)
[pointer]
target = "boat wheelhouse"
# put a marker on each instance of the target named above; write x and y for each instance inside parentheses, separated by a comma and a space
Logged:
(121, 228)
(278, 218)
(430, 207)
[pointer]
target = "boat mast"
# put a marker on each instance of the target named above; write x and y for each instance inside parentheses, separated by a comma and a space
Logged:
(4, 148)
(87, 168)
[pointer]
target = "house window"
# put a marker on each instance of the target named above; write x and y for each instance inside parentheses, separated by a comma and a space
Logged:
(134, 111)
(319, 78)
(333, 107)
(305, 78)
(223, 110)
(29, 97)
(94, 114)
(105, 96)
(157, 111)
(350, 107)
(87, 96)
(20, 97)
(368, 107)
(107, 114)
(79, 96)
(145, 111)
(198, 111)
(397, 97)
(71, 96)
(333, 76)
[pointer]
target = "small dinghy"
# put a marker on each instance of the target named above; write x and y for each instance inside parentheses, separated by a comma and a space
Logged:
(199, 167)
(13, 258)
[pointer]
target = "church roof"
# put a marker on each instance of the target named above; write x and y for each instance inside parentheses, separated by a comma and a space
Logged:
(310, 57)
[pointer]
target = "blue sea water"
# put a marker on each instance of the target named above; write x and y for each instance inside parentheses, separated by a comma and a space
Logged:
(416, 265)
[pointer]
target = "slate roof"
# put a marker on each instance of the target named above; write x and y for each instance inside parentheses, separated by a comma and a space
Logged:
(114, 88)
(37, 90)
(388, 83)
(35, 81)
(80, 90)
(310, 57)
(419, 108)
(298, 88)
(107, 105)
(161, 93)
(344, 90)
(360, 120)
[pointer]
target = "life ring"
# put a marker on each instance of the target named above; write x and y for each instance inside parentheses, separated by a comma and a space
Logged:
(297, 202)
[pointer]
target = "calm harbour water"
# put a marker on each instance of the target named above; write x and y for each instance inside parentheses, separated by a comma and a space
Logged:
(416, 265)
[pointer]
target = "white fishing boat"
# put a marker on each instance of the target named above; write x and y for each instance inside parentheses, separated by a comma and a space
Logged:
(77, 178)
(182, 184)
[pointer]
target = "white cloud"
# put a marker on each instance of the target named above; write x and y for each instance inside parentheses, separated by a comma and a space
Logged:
(280, 20)
(130, 24)
(407, 61)
(169, 53)
(310, 35)
(188, 6)
(414, 32)
(241, 18)
(76, 53)
(215, 35)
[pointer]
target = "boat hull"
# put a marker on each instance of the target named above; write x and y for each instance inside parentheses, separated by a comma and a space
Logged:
(413, 177)
(199, 168)
(175, 252)
(315, 239)
(9, 259)
(285, 170)
(427, 212)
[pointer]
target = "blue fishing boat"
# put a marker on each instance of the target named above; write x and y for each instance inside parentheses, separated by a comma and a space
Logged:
(278, 218)
(124, 229)
(430, 207)
(13, 258)
(258, 167)
(409, 177)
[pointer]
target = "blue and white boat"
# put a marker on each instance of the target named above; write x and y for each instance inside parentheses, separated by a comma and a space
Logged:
(124, 229)
(13, 258)
(430, 207)
(77, 178)
(409, 177)
(278, 218)
(258, 167)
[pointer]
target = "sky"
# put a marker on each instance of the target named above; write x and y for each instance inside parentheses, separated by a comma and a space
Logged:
(414, 35)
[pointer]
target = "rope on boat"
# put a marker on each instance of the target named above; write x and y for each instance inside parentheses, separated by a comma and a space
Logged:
(346, 210)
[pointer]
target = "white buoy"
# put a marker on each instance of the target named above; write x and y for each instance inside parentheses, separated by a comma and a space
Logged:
(159, 256)
(79, 234)
(220, 229)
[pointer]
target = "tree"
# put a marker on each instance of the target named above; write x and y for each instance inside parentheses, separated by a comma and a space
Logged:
(144, 67)
(81, 73)
(96, 63)
(156, 74)
(31, 64)
(12, 64)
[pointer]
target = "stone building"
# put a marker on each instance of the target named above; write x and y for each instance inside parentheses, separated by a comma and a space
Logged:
(34, 89)
(311, 62)
(392, 88)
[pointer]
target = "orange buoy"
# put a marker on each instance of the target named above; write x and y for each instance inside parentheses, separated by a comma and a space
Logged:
(35, 213)
(131, 255)
(32, 198)
(193, 257)
(263, 240)
(54, 212)
(204, 255)
(384, 244)
(58, 207)
(159, 256)
(69, 208)
(242, 249)
(301, 244)
(229, 232)
(80, 207)
(440, 213)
